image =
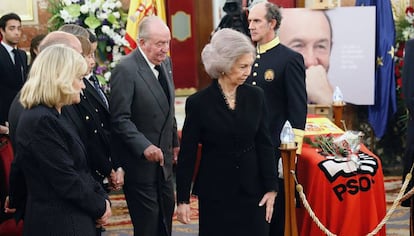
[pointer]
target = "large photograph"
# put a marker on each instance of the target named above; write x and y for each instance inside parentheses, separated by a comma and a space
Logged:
(338, 46)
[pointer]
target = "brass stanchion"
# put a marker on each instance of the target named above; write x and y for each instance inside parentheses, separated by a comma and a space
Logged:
(288, 152)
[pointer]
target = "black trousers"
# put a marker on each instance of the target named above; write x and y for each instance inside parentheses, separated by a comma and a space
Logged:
(151, 207)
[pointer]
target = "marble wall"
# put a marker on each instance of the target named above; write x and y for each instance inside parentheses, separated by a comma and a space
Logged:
(31, 29)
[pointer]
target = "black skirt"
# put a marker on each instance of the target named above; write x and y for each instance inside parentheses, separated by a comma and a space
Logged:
(239, 215)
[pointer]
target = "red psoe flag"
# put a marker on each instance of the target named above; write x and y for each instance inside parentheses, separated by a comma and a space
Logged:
(138, 9)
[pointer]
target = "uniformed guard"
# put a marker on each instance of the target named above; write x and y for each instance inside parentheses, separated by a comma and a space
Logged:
(280, 71)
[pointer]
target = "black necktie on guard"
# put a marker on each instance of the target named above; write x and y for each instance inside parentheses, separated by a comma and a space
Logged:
(163, 81)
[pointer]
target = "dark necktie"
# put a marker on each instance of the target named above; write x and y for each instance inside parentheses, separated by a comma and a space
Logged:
(163, 81)
(98, 89)
(18, 64)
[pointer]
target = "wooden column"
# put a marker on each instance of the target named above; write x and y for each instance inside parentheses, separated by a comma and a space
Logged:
(338, 110)
(288, 153)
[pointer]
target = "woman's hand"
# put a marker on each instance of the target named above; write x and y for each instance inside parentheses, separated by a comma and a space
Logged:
(269, 200)
(4, 129)
(105, 217)
(6, 207)
(183, 213)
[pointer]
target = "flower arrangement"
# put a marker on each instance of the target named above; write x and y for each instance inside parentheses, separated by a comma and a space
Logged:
(342, 146)
(105, 18)
(404, 25)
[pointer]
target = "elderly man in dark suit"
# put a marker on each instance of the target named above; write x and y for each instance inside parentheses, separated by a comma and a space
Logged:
(408, 91)
(280, 72)
(13, 64)
(144, 127)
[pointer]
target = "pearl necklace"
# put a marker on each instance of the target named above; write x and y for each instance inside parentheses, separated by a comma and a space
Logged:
(229, 99)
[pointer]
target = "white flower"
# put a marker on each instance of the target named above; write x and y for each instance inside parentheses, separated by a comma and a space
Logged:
(102, 16)
(84, 9)
(107, 75)
(105, 29)
(116, 14)
(118, 4)
(67, 18)
(67, 2)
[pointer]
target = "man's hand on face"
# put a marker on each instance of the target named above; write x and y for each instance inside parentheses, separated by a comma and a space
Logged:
(317, 85)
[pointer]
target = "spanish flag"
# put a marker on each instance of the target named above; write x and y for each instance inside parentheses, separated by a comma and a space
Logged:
(138, 9)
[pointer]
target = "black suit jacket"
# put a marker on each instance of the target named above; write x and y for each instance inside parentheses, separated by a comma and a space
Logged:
(63, 198)
(280, 72)
(92, 121)
(10, 84)
(408, 92)
(141, 115)
(237, 153)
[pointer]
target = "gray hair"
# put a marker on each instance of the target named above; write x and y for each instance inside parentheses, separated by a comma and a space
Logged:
(74, 29)
(226, 46)
(145, 26)
(273, 12)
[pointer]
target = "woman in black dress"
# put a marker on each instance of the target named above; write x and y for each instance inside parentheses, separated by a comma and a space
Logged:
(236, 180)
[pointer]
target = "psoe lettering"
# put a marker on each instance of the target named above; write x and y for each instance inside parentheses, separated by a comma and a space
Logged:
(352, 186)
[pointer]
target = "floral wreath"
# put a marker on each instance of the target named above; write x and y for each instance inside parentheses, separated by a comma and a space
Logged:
(105, 18)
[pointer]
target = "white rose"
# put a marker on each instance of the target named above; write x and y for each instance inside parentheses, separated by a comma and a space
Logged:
(84, 9)
(107, 75)
(103, 16)
(105, 29)
(67, 18)
(118, 4)
(67, 2)
(116, 14)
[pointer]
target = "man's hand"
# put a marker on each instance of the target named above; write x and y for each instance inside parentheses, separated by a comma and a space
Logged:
(183, 213)
(317, 85)
(119, 178)
(176, 150)
(154, 154)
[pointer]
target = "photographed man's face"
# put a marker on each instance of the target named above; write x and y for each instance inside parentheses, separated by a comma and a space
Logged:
(308, 32)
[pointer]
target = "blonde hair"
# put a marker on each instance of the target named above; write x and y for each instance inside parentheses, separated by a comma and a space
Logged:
(51, 77)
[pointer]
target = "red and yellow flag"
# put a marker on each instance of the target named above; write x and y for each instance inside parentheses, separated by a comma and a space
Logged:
(138, 9)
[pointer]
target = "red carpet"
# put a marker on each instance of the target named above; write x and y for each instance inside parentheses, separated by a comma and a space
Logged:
(120, 218)
(120, 223)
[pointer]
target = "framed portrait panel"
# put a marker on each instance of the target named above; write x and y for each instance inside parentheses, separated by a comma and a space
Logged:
(26, 9)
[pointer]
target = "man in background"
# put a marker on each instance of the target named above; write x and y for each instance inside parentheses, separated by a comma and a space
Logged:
(13, 72)
(13, 65)
(280, 71)
(314, 41)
